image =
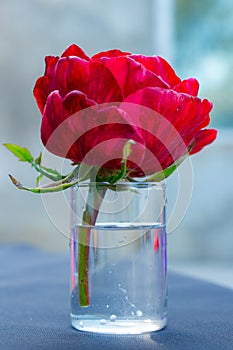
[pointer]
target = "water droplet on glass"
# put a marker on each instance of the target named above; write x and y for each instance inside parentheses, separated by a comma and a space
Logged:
(113, 318)
(81, 324)
(139, 313)
(103, 321)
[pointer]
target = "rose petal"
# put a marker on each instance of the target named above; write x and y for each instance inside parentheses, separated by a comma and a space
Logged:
(160, 67)
(54, 126)
(188, 86)
(169, 134)
(52, 117)
(92, 78)
(110, 53)
(182, 110)
(75, 101)
(75, 50)
(202, 139)
(103, 145)
(130, 75)
(42, 87)
(95, 137)
(50, 63)
(159, 135)
(41, 91)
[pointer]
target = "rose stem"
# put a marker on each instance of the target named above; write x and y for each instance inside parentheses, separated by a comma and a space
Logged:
(93, 203)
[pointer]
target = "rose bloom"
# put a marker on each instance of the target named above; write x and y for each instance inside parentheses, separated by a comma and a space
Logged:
(91, 106)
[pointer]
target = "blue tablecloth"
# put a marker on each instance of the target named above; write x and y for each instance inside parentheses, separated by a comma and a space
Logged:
(34, 309)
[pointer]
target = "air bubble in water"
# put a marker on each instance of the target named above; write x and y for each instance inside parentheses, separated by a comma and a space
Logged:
(103, 321)
(139, 313)
(107, 306)
(113, 318)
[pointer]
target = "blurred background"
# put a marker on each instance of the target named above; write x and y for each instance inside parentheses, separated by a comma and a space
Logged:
(196, 37)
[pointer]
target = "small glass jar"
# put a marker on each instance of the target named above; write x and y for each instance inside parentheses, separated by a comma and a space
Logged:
(118, 258)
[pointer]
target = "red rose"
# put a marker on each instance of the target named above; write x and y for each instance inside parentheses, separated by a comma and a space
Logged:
(92, 106)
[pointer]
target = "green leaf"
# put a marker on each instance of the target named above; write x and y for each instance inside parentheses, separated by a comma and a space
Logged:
(22, 153)
(52, 172)
(38, 159)
(163, 174)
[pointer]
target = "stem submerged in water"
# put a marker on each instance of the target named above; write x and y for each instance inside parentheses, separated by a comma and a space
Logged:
(94, 200)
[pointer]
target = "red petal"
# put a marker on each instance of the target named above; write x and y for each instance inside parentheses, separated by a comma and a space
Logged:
(169, 134)
(182, 110)
(56, 134)
(92, 78)
(203, 138)
(110, 53)
(90, 136)
(45, 84)
(75, 101)
(159, 135)
(41, 91)
(160, 67)
(189, 86)
(42, 87)
(74, 50)
(130, 75)
(52, 117)
(50, 63)
(104, 140)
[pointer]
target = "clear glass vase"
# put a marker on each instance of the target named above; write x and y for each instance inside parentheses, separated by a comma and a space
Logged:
(118, 258)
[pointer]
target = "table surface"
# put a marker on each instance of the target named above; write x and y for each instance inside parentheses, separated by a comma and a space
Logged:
(34, 309)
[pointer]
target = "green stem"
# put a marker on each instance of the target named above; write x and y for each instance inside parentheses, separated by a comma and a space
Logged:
(44, 171)
(94, 200)
(83, 256)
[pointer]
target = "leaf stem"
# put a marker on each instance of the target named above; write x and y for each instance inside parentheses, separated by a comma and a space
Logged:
(69, 181)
